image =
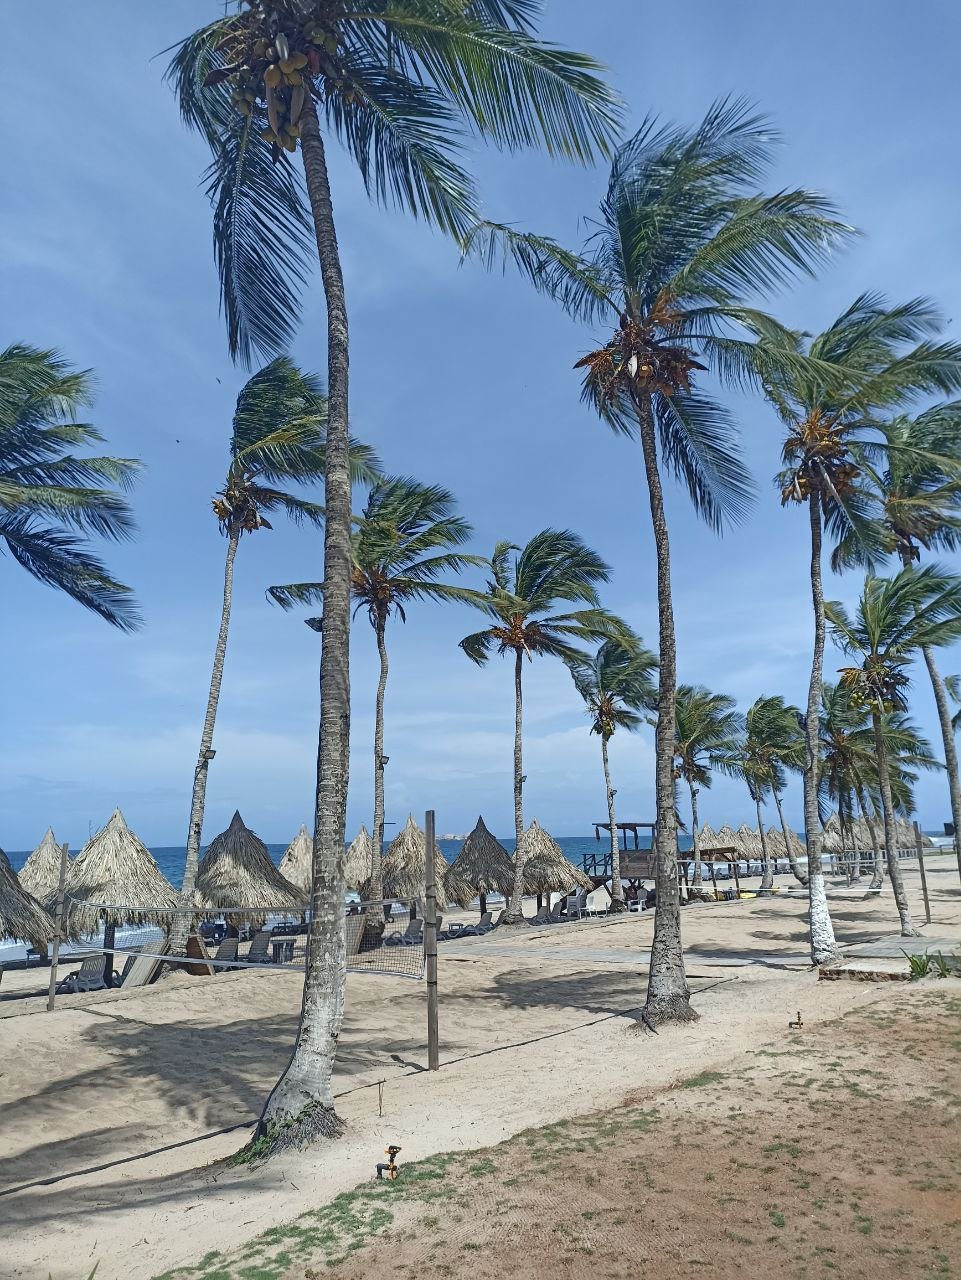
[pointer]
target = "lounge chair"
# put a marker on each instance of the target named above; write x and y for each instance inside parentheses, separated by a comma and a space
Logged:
(484, 925)
(541, 917)
(555, 915)
(411, 937)
(89, 977)
(502, 916)
(226, 951)
(258, 948)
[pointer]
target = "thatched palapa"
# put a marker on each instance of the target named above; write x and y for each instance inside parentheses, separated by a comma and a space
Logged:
(22, 918)
(749, 842)
(359, 860)
(114, 880)
(237, 871)
(297, 863)
(708, 839)
(727, 838)
(404, 865)
(543, 865)
(40, 874)
(483, 866)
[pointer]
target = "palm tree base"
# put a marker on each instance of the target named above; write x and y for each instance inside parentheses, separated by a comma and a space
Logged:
(675, 1008)
(616, 906)
(279, 1132)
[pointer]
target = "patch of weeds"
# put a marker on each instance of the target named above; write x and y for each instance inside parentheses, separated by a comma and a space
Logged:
(482, 1167)
(705, 1077)
(736, 1239)
(777, 1218)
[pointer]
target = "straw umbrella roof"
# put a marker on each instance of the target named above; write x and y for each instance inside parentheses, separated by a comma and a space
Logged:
(359, 859)
(115, 868)
(237, 871)
(21, 915)
(708, 839)
(404, 865)
(831, 841)
(775, 842)
(297, 863)
(40, 874)
(482, 866)
(727, 838)
(543, 866)
(749, 841)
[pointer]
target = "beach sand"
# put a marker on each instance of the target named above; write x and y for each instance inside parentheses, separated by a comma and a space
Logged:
(123, 1099)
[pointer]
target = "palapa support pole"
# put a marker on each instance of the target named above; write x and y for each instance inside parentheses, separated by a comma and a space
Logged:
(61, 927)
(919, 845)
(430, 942)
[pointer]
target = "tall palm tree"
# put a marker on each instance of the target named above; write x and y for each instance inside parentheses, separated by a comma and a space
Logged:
(49, 495)
(401, 550)
(392, 81)
(919, 489)
(873, 357)
(616, 684)
(895, 618)
(277, 439)
(522, 598)
(684, 240)
(706, 731)
(772, 743)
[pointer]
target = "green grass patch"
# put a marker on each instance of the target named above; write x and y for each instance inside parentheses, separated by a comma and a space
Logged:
(705, 1077)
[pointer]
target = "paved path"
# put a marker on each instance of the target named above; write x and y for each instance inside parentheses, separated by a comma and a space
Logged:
(627, 956)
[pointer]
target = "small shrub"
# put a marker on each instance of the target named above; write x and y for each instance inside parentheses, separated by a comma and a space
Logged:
(920, 965)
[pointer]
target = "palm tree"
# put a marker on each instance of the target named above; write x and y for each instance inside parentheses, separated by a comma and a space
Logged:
(895, 618)
(683, 241)
(401, 550)
(919, 490)
(615, 683)
(392, 82)
(706, 731)
(277, 438)
(47, 494)
(874, 356)
(522, 597)
(772, 743)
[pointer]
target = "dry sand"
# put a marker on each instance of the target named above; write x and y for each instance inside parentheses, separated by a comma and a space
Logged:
(123, 1100)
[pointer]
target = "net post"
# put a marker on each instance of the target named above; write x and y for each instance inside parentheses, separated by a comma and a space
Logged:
(430, 942)
(919, 845)
(61, 926)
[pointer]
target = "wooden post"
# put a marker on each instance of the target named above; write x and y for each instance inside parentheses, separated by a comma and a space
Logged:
(61, 927)
(919, 845)
(430, 943)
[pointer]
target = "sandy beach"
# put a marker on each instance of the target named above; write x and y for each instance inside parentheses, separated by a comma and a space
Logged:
(118, 1110)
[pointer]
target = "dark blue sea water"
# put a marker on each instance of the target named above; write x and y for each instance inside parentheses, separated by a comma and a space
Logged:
(171, 859)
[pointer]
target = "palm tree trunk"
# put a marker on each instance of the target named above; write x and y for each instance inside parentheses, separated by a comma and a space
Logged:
(950, 749)
(767, 871)
(890, 847)
(855, 848)
(181, 923)
(301, 1105)
(823, 944)
(695, 836)
(668, 995)
(877, 878)
(617, 889)
(377, 871)
(515, 908)
(798, 874)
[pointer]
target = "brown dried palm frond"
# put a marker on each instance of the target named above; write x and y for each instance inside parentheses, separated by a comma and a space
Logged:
(114, 880)
(404, 865)
(237, 871)
(359, 860)
(40, 874)
(22, 918)
(297, 863)
(543, 865)
(483, 866)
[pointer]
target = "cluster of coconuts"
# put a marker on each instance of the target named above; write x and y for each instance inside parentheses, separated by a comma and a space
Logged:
(277, 71)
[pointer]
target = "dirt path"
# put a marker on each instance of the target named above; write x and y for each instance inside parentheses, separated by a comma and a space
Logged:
(836, 1154)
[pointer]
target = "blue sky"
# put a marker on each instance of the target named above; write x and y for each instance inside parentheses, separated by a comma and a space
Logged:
(457, 378)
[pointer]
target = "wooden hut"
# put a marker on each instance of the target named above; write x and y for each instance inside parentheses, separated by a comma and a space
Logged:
(483, 866)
